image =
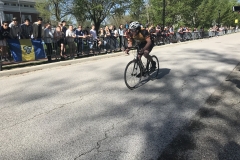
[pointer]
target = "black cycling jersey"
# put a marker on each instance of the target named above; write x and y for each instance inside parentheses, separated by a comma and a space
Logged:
(142, 35)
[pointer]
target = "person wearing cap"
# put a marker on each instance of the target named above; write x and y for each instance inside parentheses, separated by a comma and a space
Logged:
(27, 29)
(14, 19)
(15, 29)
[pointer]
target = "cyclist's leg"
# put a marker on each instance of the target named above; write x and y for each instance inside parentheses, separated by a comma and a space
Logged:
(147, 55)
(146, 52)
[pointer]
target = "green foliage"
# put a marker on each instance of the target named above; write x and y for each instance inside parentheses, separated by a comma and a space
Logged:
(53, 10)
(191, 13)
(98, 10)
(137, 9)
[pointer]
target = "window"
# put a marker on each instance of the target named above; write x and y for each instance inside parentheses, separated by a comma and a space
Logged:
(8, 17)
(25, 5)
(31, 6)
(13, 4)
(24, 16)
(6, 4)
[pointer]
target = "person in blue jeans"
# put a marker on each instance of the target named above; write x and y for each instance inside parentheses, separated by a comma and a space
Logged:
(79, 40)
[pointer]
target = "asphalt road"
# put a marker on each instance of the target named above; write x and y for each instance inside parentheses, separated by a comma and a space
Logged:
(84, 111)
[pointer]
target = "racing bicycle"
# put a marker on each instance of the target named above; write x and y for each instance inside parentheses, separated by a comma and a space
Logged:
(136, 69)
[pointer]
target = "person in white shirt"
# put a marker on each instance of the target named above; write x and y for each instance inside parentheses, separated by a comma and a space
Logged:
(70, 36)
(121, 37)
(48, 40)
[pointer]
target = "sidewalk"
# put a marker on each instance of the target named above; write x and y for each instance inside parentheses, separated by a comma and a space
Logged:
(214, 132)
(12, 64)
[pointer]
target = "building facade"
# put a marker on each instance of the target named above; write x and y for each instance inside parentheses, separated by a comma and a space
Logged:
(18, 8)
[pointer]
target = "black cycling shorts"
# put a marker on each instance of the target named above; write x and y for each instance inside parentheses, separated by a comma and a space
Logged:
(143, 44)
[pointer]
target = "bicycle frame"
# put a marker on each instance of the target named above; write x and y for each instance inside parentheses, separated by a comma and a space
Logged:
(139, 60)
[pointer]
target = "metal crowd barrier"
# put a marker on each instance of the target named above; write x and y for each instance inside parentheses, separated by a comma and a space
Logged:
(199, 35)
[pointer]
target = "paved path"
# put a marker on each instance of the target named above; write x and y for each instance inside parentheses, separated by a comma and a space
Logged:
(213, 133)
(85, 111)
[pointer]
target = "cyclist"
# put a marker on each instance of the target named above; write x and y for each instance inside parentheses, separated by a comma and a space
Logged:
(143, 37)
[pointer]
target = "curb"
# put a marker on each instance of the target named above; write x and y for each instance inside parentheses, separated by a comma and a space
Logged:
(55, 64)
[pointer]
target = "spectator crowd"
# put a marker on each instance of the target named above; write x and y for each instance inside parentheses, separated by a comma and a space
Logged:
(70, 42)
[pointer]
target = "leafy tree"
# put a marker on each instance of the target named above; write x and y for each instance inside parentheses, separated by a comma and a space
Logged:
(98, 10)
(54, 10)
(137, 9)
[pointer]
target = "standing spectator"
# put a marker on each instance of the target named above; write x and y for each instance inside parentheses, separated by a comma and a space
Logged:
(70, 36)
(48, 40)
(107, 37)
(112, 39)
(64, 30)
(126, 25)
(38, 31)
(79, 40)
(115, 38)
(121, 36)
(4, 35)
(171, 30)
(102, 38)
(180, 32)
(15, 29)
(93, 35)
(14, 19)
(202, 32)
(172, 34)
(27, 29)
(63, 36)
(59, 41)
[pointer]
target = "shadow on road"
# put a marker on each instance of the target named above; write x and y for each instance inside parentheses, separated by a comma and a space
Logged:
(235, 81)
(162, 72)
(213, 131)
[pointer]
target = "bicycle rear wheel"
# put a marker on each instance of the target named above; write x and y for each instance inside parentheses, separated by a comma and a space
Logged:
(132, 74)
(153, 71)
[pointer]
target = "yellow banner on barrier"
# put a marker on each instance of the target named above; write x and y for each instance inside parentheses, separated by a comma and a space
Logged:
(236, 20)
(27, 50)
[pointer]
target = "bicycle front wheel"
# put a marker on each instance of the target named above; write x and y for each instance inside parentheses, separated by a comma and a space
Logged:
(153, 70)
(132, 74)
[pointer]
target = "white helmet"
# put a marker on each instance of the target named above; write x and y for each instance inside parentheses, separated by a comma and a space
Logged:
(134, 25)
